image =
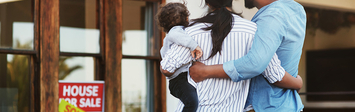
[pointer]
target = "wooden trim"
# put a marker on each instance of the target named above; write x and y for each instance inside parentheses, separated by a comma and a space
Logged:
(162, 77)
(16, 51)
(162, 91)
(79, 54)
(99, 62)
(159, 94)
(113, 55)
(329, 93)
(149, 0)
(34, 63)
(142, 57)
(49, 55)
(163, 1)
(159, 79)
(34, 86)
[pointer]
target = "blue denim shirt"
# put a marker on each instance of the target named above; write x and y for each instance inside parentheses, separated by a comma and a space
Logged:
(281, 29)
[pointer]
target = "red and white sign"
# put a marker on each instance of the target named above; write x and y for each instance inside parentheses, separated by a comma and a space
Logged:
(88, 96)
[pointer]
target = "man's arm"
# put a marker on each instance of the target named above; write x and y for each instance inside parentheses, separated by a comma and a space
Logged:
(267, 40)
(216, 71)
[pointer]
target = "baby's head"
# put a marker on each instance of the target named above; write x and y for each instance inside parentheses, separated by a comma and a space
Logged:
(173, 14)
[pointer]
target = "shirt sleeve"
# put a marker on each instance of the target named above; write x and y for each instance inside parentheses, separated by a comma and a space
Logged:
(267, 40)
(274, 71)
(180, 37)
(176, 57)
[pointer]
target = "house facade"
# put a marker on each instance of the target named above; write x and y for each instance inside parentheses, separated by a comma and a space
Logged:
(118, 42)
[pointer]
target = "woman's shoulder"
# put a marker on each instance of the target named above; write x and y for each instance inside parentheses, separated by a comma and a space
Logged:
(197, 28)
(241, 24)
(238, 19)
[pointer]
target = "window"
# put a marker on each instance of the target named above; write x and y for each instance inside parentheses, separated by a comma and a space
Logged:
(79, 39)
(14, 84)
(16, 25)
(76, 68)
(79, 29)
(140, 49)
(16, 50)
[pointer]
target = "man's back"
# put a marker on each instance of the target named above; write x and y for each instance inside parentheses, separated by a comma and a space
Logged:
(289, 20)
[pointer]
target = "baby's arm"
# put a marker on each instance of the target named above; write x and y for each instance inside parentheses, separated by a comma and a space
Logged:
(175, 57)
(179, 36)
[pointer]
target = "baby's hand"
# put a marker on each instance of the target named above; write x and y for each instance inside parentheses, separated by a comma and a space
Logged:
(198, 52)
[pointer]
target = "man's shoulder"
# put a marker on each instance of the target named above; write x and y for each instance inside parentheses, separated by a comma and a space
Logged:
(282, 8)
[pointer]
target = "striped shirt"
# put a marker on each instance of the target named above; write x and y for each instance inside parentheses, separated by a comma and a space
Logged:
(215, 94)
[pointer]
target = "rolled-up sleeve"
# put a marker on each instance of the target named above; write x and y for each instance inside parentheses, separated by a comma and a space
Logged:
(274, 71)
(267, 40)
(175, 58)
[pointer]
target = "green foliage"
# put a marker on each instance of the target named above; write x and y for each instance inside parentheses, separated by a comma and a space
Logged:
(64, 69)
(18, 76)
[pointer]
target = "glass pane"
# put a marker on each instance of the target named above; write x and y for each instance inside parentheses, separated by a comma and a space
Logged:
(134, 85)
(76, 68)
(14, 83)
(79, 30)
(16, 24)
(138, 29)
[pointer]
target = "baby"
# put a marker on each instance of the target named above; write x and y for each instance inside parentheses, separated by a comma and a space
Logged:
(173, 18)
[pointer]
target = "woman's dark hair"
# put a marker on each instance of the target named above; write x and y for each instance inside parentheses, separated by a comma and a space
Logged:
(172, 14)
(221, 20)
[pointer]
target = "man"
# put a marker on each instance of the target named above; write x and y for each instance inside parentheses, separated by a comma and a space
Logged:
(281, 29)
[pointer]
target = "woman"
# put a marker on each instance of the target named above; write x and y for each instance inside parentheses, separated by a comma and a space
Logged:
(222, 36)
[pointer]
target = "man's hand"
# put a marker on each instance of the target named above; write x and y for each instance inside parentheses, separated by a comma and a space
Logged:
(200, 71)
(197, 71)
(198, 52)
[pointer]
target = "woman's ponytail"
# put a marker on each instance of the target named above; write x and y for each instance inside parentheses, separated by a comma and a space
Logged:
(221, 19)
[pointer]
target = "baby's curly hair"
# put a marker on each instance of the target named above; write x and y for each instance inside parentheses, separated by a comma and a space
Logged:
(172, 14)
